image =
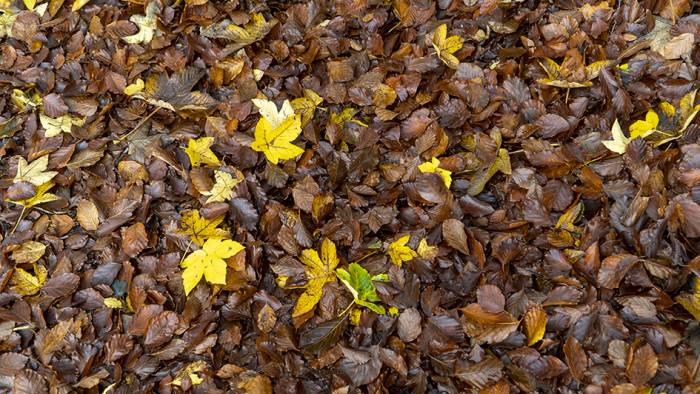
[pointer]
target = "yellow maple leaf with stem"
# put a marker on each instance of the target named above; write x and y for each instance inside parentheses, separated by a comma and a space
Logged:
(319, 270)
(200, 229)
(400, 252)
(208, 262)
(199, 151)
(434, 166)
(26, 284)
(446, 46)
(223, 187)
(34, 172)
(276, 142)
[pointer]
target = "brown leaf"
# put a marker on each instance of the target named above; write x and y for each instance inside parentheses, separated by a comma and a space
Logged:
(481, 374)
(409, 325)
(161, 329)
(453, 232)
(134, 239)
(61, 285)
(575, 358)
(642, 366)
(87, 215)
(613, 270)
(490, 298)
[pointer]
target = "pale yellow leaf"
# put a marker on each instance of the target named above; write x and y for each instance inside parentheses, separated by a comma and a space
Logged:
(223, 187)
(114, 303)
(56, 126)
(29, 252)
(200, 229)
(34, 172)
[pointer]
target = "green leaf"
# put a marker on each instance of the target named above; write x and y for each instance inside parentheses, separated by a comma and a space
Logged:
(359, 282)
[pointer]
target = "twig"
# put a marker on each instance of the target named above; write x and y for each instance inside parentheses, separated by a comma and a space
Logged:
(138, 126)
(24, 208)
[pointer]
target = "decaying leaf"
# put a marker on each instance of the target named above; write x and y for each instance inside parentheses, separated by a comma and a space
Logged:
(147, 24)
(251, 32)
(56, 126)
(223, 187)
(446, 46)
(200, 229)
(319, 270)
(175, 93)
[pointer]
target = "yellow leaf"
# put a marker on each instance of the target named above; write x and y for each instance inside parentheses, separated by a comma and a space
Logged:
(691, 301)
(619, 142)
(223, 187)
(200, 229)
(588, 10)
(593, 69)
(208, 262)
(251, 32)
(134, 88)
(426, 251)
(344, 116)
(19, 98)
(668, 109)
(567, 219)
(199, 152)
(644, 128)
(34, 173)
(40, 196)
(56, 126)
(30, 4)
(29, 252)
(268, 110)
(148, 24)
(535, 324)
(393, 311)
(114, 303)
(78, 4)
(7, 19)
(399, 252)
(446, 46)
(26, 284)
(306, 106)
(319, 270)
(276, 142)
(434, 166)
(191, 372)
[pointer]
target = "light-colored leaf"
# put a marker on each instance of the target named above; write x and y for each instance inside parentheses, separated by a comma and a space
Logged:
(29, 252)
(223, 187)
(319, 271)
(148, 25)
(62, 124)
(535, 321)
(399, 252)
(34, 172)
(26, 284)
(41, 196)
(208, 262)
(276, 142)
(619, 142)
(446, 46)
(200, 229)
(199, 151)
(434, 166)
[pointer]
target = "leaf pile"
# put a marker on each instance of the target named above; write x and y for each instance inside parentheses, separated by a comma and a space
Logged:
(460, 196)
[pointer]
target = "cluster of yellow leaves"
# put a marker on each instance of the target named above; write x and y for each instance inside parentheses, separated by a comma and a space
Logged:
(664, 126)
(555, 77)
(199, 151)
(200, 229)
(148, 25)
(399, 252)
(26, 284)
(434, 166)
(446, 46)
(56, 126)
(208, 262)
(319, 270)
(25, 100)
(276, 130)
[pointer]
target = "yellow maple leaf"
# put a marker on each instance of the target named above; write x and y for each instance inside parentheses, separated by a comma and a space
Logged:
(619, 142)
(276, 142)
(34, 173)
(446, 46)
(114, 303)
(306, 106)
(400, 252)
(30, 4)
(223, 187)
(56, 126)
(199, 152)
(268, 110)
(40, 196)
(200, 229)
(434, 166)
(253, 31)
(19, 98)
(26, 284)
(29, 252)
(148, 24)
(135, 87)
(319, 270)
(646, 127)
(208, 262)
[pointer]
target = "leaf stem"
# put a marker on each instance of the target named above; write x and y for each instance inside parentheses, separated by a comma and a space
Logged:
(24, 208)
(347, 309)
(138, 126)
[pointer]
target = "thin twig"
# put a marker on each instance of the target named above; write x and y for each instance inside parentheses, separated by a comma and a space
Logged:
(138, 126)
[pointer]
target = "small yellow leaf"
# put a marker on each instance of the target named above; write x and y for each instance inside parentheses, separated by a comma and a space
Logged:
(446, 46)
(191, 372)
(40, 196)
(399, 252)
(30, 4)
(56, 126)
(426, 251)
(199, 151)
(619, 142)
(223, 187)
(319, 270)
(393, 311)
(26, 284)
(78, 4)
(208, 262)
(148, 24)
(19, 98)
(200, 229)
(646, 127)
(434, 166)
(535, 324)
(29, 252)
(114, 303)
(34, 173)
(567, 219)
(134, 88)
(276, 142)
